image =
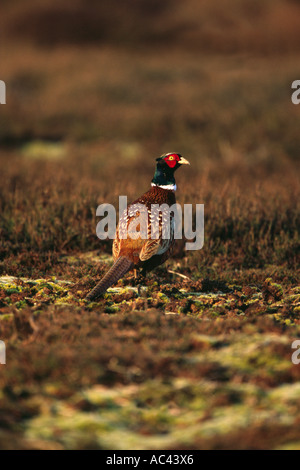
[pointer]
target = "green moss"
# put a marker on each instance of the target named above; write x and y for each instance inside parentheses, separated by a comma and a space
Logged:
(44, 150)
(164, 298)
(14, 290)
(6, 316)
(111, 309)
(293, 298)
(272, 309)
(21, 304)
(296, 290)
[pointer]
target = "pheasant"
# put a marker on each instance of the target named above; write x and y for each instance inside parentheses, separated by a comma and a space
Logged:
(134, 251)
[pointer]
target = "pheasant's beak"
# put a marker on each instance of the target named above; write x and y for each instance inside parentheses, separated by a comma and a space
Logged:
(183, 161)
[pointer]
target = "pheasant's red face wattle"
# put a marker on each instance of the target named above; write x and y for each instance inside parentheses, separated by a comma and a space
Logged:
(172, 160)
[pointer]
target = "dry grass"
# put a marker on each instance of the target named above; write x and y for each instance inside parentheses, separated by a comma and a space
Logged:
(251, 214)
(90, 104)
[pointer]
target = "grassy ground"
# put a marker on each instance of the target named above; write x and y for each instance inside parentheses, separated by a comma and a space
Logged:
(202, 358)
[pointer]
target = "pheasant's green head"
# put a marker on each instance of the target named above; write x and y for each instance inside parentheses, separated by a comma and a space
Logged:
(165, 167)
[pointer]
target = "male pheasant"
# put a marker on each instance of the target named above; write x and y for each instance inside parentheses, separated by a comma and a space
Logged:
(146, 252)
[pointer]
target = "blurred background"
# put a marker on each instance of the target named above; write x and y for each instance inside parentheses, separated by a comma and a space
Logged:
(204, 77)
(96, 90)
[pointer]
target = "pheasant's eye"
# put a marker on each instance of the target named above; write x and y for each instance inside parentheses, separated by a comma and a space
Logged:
(171, 160)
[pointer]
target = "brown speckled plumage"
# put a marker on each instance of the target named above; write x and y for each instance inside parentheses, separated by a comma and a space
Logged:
(137, 252)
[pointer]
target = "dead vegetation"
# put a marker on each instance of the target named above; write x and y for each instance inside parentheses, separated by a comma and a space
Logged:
(197, 361)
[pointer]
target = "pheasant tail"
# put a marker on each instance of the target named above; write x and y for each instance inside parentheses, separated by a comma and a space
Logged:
(119, 269)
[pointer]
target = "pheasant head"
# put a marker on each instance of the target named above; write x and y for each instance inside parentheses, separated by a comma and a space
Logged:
(166, 165)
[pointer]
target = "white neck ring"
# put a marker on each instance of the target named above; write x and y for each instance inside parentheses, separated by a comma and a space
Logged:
(170, 187)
